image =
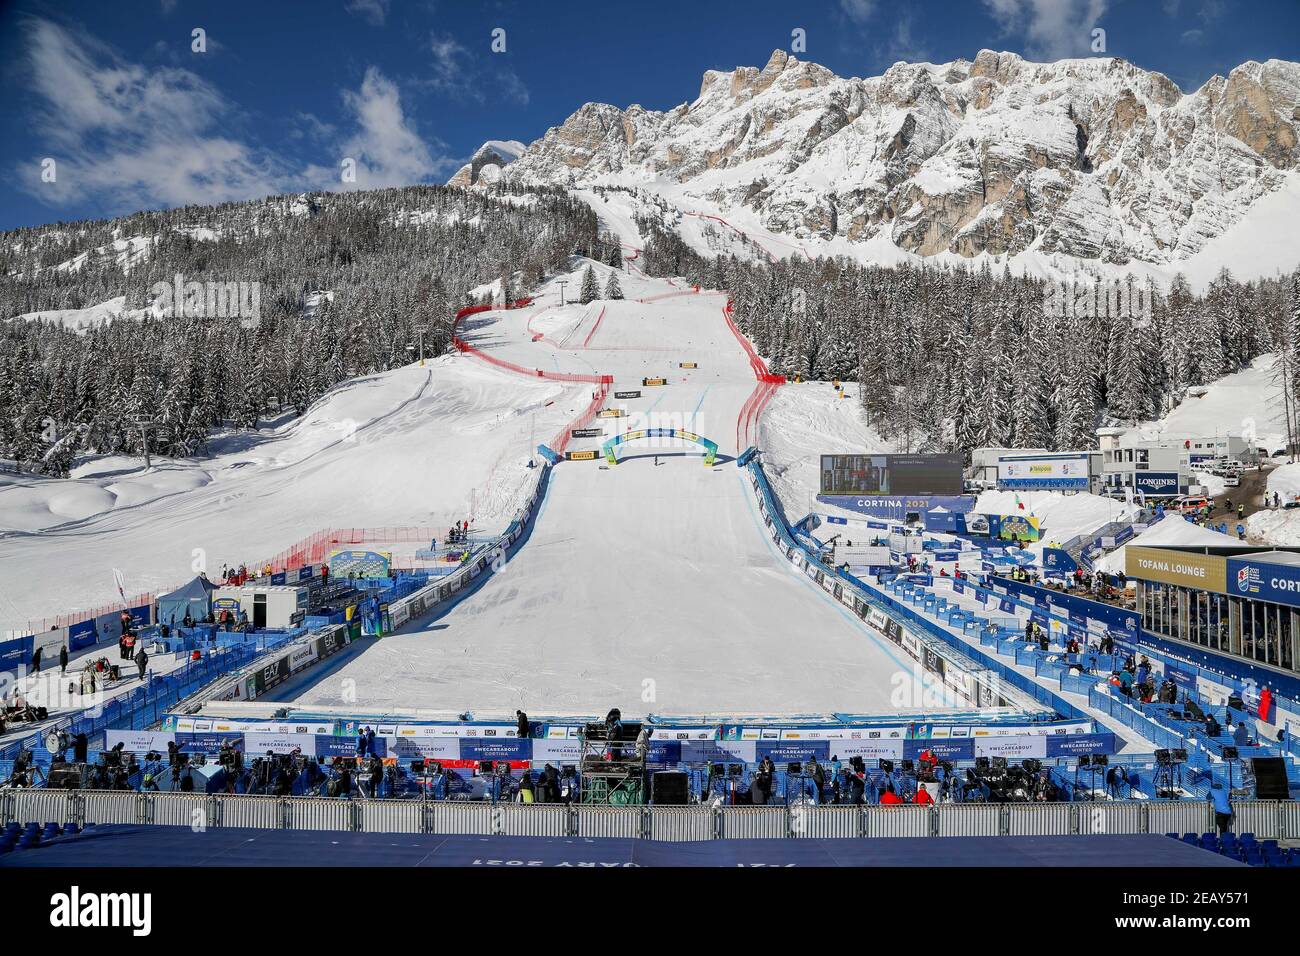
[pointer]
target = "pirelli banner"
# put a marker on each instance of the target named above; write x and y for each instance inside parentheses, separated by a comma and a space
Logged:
(687, 365)
(647, 382)
(1202, 572)
(582, 455)
(611, 413)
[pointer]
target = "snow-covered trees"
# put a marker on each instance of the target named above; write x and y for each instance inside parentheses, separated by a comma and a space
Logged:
(960, 358)
(612, 288)
(590, 287)
(394, 259)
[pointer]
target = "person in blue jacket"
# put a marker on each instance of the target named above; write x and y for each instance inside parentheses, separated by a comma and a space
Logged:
(1222, 807)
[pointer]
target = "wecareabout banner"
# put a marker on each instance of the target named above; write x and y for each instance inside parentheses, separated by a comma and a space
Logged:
(500, 748)
(1013, 748)
(1264, 581)
(720, 751)
(1065, 471)
(950, 749)
(898, 507)
(792, 751)
(1203, 572)
(1076, 745)
(1156, 483)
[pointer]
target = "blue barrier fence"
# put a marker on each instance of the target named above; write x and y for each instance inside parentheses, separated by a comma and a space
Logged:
(148, 703)
(893, 605)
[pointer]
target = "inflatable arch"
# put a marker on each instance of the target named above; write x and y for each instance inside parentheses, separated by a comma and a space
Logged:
(710, 447)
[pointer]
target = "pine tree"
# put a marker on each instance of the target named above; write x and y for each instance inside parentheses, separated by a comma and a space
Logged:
(590, 290)
(612, 288)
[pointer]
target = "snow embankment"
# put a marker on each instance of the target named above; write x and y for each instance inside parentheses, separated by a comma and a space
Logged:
(414, 447)
(1248, 402)
(803, 422)
(1060, 516)
(1169, 530)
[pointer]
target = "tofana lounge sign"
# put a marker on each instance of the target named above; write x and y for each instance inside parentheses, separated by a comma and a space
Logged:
(1204, 572)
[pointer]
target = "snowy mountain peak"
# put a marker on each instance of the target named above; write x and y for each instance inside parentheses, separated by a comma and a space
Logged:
(487, 162)
(1087, 159)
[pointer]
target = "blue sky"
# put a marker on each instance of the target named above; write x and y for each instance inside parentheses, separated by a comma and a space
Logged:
(133, 117)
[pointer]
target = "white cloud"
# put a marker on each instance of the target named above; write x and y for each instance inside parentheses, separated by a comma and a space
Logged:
(450, 71)
(376, 11)
(859, 11)
(131, 136)
(386, 147)
(457, 73)
(1052, 29)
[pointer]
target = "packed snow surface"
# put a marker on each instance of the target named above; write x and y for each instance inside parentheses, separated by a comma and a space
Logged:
(415, 447)
(650, 585)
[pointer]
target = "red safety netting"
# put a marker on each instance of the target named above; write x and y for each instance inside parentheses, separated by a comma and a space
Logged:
(588, 415)
(462, 346)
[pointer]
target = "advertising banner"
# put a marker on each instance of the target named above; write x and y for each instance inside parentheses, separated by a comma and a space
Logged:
(1157, 484)
(425, 748)
(1076, 745)
(898, 507)
(1264, 581)
(1055, 472)
(1059, 560)
(943, 749)
(257, 743)
(792, 751)
(1018, 528)
(1013, 748)
(138, 741)
(1204, 572)
(881, 748)
(500, 748)
(633, 394)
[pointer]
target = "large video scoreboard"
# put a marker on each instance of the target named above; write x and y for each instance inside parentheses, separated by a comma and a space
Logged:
(939, 474)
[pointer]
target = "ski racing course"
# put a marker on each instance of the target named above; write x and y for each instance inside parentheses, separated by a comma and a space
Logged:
(649, 585)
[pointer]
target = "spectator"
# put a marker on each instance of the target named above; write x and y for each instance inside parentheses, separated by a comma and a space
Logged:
(1222, 807)
(889, 798)
(1212, 728)
(526, 794)
(63, 658)
(521, 724)
(141, 661)
(817, 773)
(1241, 735)
(36, 661)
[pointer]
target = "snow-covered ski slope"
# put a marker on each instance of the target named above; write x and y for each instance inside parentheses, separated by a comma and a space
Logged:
(412, 447)
(648, 586)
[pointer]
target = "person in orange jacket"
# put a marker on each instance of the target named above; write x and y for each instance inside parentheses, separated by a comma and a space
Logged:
(889, 798)
(922, 796)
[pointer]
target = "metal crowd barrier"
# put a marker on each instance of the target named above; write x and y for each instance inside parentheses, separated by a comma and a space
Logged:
(1267, 819)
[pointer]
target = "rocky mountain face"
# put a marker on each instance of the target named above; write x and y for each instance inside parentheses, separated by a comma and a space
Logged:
(1091, 158)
